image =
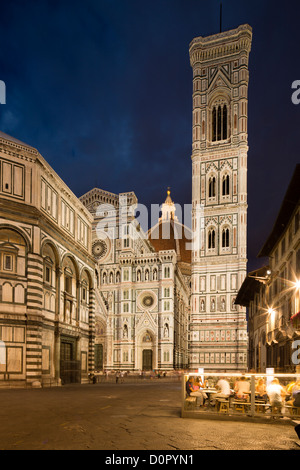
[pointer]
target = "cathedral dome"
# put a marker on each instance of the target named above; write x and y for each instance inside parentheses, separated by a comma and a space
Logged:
(170, 234)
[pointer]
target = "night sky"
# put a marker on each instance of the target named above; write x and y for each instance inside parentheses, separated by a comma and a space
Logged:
(103, 89)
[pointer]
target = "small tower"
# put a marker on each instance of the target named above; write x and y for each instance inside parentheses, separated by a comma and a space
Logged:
(219, 194)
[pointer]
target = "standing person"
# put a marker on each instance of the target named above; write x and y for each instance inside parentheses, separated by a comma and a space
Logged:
(276, 394)
(117, 376)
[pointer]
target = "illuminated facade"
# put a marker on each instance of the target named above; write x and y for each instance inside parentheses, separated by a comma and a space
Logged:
(47, 273)
(219, 198)
(141, 289)
(272, 294)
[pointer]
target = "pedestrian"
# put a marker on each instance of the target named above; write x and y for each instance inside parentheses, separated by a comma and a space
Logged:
(117, 376)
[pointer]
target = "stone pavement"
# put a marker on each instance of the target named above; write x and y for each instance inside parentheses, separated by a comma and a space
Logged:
(126, 416)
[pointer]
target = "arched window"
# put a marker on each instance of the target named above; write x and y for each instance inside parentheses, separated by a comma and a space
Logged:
(225, 238)
(212, 187)
(219, 121)
(225, 185)
(211, 239)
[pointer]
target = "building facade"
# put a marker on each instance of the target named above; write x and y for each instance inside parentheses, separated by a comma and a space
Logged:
(272, 294)
(219, 198)
(47, 273)
(142, 296)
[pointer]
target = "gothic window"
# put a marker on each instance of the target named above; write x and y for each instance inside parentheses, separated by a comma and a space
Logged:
(225, 238)
(212, 187)
(167, 292)
(126, 308)
(211, 239)
(126, 243)
(219, 121)
(225, 185)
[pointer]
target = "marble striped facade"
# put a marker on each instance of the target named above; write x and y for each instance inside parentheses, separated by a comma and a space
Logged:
(47, 298)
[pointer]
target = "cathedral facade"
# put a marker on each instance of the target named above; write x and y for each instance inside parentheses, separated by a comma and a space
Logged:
(142, 289)
(219, 198)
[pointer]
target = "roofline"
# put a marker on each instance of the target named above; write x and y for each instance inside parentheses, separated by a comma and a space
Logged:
(251, 284)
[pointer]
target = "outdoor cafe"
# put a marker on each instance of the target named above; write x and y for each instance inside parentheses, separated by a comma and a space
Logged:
(241, 395)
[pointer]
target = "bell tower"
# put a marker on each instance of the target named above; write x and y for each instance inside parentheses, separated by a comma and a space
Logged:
(219, 198)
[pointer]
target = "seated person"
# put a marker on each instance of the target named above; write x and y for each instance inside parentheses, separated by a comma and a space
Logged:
(242, 389)
(295, 400)
(223, 390)
(276, 394)
(195, 391)
(260, 390)
(189, 385)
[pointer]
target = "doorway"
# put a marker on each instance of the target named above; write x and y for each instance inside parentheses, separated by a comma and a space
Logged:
(147, 359)
(70, 369)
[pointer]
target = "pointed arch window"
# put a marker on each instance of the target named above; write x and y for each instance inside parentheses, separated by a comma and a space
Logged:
(211, 239)
(225, 238)
(212, 187)
(219, 122)
(225, 185)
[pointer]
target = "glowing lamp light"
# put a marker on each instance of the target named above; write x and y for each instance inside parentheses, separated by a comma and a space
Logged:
(297, 284)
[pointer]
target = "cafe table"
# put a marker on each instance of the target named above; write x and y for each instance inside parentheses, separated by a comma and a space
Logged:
(209, 392)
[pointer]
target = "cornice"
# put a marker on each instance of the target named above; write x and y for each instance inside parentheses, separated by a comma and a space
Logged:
(227, 43)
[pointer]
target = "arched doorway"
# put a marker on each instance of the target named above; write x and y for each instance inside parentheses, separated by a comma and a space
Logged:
(147, 351)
